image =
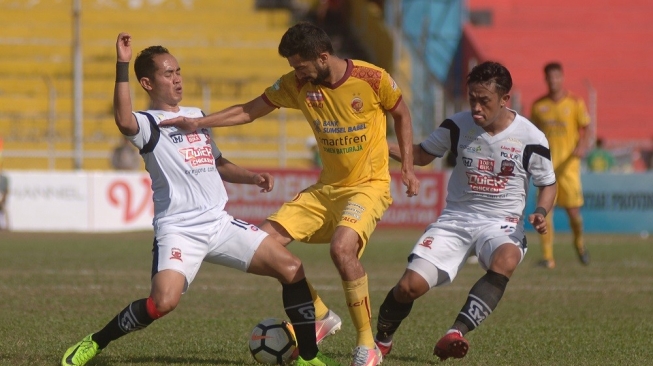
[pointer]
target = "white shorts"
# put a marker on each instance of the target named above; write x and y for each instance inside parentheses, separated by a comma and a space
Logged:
(448, 242)
(226, 241)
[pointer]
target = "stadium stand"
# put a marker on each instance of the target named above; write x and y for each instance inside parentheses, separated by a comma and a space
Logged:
(227, 50)
(599, 44)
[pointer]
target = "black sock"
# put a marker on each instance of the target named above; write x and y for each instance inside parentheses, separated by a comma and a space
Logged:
(132, 318)
(391, 314)
(299, 307)
(482, 300)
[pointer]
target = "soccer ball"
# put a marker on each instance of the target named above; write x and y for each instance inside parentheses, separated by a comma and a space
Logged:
(273, 342)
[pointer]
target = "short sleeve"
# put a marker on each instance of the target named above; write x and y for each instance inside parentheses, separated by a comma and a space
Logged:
(389, 92)
(283, 93)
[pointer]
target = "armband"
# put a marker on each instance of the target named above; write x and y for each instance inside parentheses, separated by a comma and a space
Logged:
(122, 72)
(540, 210)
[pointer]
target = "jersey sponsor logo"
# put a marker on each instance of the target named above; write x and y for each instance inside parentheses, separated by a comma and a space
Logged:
(426, 243)
(510, 155)
(486, 183)
(507, 168)
(486, 165)
(470, 148)
(197, 156)
(467, 162)
(277, 85)
(193, 137)
(357, 105)
(511, 149)
(315, 99)
(175, 253)
(207, 134)
(318, 125)
(177, 138)
(393, 83)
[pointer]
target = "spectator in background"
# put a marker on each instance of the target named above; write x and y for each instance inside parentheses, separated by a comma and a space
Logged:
(4, 193)
(600, 159)
(646, 154)
(125, 156)
(563, 118)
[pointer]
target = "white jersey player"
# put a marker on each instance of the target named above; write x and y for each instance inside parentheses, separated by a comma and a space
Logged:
(497, 153)
(190, 223)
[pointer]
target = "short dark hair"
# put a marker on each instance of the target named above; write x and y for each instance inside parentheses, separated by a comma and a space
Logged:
(144, 65)
(552, 66)
(306, 40)
(488, 72)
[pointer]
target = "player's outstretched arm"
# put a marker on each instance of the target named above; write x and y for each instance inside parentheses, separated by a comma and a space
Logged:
(122, 105)
(238, 114)
(545, 201)
(232, 173)
(404, 130)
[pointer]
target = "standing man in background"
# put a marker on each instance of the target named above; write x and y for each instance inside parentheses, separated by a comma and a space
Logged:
(563, 118)
(345, 102)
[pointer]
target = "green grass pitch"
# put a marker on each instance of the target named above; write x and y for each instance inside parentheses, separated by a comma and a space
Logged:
(57, 288)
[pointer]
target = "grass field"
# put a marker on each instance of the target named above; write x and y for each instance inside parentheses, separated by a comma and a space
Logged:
(57, 288)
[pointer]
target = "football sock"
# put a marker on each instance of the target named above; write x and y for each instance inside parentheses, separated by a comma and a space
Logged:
(391, 314)
(321, 309)
(483, 298)
(547, 239)
(358, 302)
(300, 310)
(576, 224)
(132, 318)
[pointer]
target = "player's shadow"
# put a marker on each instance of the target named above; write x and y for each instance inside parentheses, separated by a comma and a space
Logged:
(163, 360)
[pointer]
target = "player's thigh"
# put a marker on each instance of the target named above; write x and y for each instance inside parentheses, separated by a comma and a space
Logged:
(181, 252)
(359, 209)
(302, 217)
(446, 246)
(491, 237)
(234, 243)
(570, 190)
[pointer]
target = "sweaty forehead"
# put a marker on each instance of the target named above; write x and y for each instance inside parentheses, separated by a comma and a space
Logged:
(166, 62)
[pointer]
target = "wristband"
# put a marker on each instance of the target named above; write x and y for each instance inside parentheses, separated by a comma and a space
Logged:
(540, 210)
(122, 72)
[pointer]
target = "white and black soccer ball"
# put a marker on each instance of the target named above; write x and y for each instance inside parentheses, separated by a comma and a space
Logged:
(273, 342)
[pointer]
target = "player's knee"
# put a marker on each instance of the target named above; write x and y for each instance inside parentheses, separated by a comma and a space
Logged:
(407, 290)
(162, 305)
(291, 271)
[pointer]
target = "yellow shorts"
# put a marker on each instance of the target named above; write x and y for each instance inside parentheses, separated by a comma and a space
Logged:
(313, 215)
(570, 189)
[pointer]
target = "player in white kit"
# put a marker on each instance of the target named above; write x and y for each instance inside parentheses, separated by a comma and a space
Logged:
(497, 153)
(190, 223)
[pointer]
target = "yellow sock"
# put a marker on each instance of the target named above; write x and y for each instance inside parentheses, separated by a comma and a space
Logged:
(576, 224)
(320, 309)
(358, 302)
(547, 239)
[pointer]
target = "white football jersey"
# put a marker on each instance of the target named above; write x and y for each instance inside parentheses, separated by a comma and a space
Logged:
(492, 173)
(185, 180)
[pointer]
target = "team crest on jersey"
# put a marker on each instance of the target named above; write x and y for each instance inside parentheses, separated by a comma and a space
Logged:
(427, 242)
(197, 156)
(357, 105)
(486, 165)
(507, 168)
(175, 253)
(315, 98)
(193, 137)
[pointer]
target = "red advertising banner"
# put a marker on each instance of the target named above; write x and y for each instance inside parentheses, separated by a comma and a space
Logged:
(246, 202)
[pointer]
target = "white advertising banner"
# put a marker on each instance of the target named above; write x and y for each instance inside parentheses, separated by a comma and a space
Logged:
(44, 201)
(79, 201)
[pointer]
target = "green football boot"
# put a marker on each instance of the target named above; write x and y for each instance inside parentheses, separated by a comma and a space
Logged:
(319, 360)
(81, 353)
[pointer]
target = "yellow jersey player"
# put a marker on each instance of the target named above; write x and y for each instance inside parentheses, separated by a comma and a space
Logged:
(563, 118)
(345, 102)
